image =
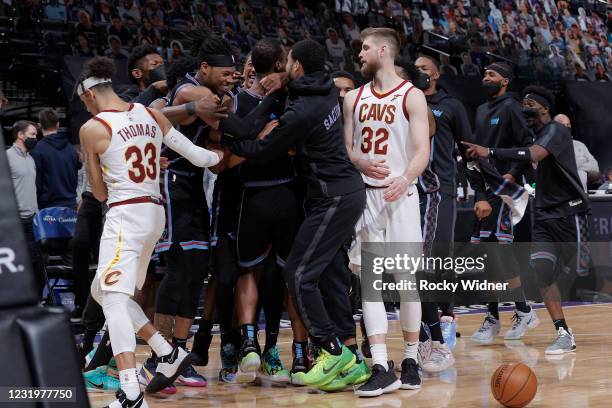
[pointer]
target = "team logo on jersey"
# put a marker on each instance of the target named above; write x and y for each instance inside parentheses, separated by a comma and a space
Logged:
(437, 113)
(395, 97)
(495, 121)
(108, 279)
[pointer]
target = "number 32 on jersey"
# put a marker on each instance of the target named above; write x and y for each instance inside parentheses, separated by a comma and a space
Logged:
(377, 140)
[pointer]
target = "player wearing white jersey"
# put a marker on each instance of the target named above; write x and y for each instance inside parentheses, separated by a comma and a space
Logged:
(387, 135)
(122, 144)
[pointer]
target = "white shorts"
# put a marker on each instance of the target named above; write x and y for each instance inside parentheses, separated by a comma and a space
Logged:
(398, 221)
(128, 239)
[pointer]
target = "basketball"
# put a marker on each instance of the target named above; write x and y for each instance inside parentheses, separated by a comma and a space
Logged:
(514, 385)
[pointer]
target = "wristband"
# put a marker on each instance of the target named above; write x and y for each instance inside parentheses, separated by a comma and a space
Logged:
(190, 106)
(513, 154)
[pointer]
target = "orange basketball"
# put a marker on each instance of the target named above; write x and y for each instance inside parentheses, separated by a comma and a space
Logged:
(514, 385)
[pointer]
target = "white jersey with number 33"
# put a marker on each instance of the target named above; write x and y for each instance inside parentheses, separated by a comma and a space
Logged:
(130, 164)
(382, 130)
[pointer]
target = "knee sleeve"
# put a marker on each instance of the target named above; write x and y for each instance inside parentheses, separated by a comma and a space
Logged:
(375, 318)
(120, 328)
(410, 316)
(139, 319)
(544, 270)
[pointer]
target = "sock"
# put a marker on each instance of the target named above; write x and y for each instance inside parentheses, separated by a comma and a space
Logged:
(182, 343)
(159, 345)
(423, 336)
(379, 355)
(205, 327)
(560, 323)
(355, 350)
(271, 338)
(523, 307)
(411, 350)
(129, 383)
(299, 349)
(103, 353)
(332, 345)
(493, 309)
(436, 332)
(249, 331)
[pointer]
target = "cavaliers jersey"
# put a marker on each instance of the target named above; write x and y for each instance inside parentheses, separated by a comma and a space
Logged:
(130, 164)
(382, 128)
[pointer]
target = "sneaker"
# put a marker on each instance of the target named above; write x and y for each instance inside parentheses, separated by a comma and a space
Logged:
(76, 315)
(357, 374)
(440, 358)
(448, 325)
(90, 355)
(147, 372)
(272, 368)
(424, 351)
(381, 382)
(99, 381)
(249, 357)
(564, 343)
(229, 364)
(123, 402)
(520, 323)
(410, 378)
(191, 378)
(199, 351)
(169, 367)
(298, 370)
(113, 371)
(489, 329)
(327, 366)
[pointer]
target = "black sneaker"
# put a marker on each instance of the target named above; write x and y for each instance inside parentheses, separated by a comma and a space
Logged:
(298, 370)
(169, 367)
(381, 382)
(199, 351)
(123, 402)
(76, 315)
(411, 379)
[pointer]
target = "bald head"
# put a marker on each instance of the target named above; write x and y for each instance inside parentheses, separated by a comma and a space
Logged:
(564, 120)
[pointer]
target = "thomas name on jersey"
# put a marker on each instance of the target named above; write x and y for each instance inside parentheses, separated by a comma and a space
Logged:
(136, 130)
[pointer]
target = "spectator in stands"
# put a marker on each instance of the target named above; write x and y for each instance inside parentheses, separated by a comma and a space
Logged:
(600, 73)
(57, 164)
(253, 36)
(154, 13)
(23, 174)
(579, 74)
(117, 28)
(350, 29)
(335, 49)
(267, 22)
(445, 66)
(468, 68)
(105, 12)
(176, 13)
(55, 11)
(128, 8)
(115, 51)
(149, 33)
(224, 18)
(607, 185)
(85, 26)
(83, 48)
(588, 168)
(176, 51)
(146, 71)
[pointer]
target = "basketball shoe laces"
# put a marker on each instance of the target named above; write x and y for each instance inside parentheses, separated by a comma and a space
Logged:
(516, 320)
(488, 322)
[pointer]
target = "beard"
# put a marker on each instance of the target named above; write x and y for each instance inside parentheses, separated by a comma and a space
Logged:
(368, 69)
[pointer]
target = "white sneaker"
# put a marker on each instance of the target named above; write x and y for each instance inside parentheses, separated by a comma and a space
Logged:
(440, 359)
(488, 330)
(169, 367)
(522, 321)
(564, 343)
(424, 351)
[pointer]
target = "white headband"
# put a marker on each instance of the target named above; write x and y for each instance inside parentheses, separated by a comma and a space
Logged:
(90, 83)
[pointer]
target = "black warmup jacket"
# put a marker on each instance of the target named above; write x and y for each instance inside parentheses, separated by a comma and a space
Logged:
(311, 123)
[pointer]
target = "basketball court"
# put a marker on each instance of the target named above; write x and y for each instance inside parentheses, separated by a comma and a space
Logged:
(578, 379)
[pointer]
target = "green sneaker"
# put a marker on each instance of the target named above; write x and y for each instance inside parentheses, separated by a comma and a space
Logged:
(327, 366)
(113, 371)
(356, 374)
(272, 368)
(98, 381)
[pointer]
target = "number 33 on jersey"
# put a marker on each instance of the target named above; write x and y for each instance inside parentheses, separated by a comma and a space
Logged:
(130, 164)
(382, 128)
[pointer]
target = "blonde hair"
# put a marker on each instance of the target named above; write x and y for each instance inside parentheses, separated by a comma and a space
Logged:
(386, 34)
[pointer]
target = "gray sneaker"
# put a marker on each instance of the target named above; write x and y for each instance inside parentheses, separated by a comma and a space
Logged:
(489, 329)
(520, 323)
(564, 343)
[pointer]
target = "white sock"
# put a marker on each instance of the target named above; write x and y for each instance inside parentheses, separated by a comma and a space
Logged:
(379, 355)
(410, 350)
(160, 346)
(129, 383)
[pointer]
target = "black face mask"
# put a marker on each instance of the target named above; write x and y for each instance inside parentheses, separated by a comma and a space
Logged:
(30, 142)
(491, 88)
(530, 113)
(157, 74)
(422, 81)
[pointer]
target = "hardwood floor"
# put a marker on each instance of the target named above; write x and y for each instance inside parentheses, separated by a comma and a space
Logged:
(576, 380)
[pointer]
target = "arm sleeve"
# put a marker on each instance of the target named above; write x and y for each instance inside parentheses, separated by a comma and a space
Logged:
(552, 140)
(522, 138)
(196, 155)
(286, 135)
(248, 127)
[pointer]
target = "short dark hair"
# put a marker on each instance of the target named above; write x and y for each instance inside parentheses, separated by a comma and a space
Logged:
(310, 54)
(410, 70)
(21, 126)
(98, 67)
(433, 60)
(48, 119)
(542, 92)
(114, 16)
(265, 53)
(178, 69)
(136, 57)
(343, 74)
